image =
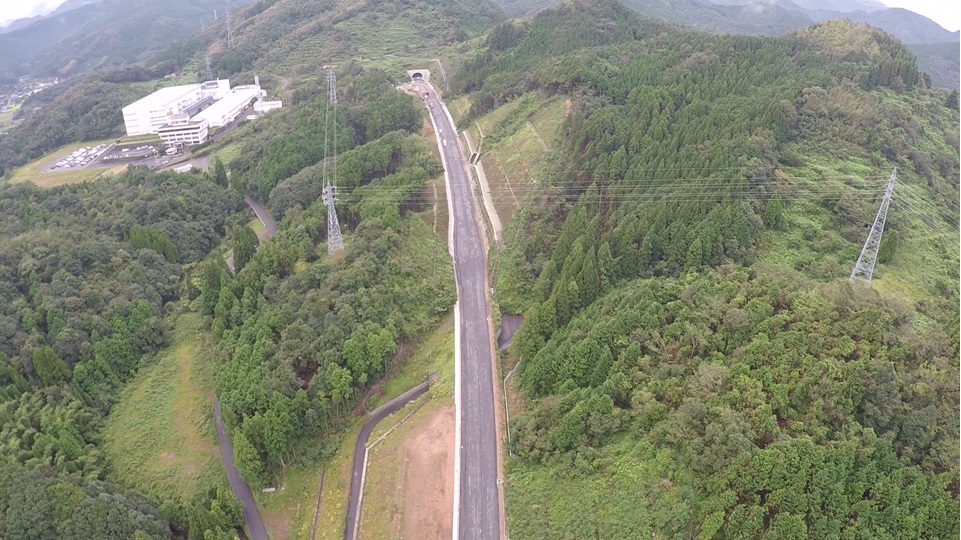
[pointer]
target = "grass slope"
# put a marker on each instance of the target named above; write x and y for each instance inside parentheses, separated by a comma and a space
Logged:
(160, 437)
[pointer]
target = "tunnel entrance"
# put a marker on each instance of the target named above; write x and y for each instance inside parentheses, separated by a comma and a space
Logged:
(419, 75)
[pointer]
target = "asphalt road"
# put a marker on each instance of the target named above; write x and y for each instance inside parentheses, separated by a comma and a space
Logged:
(262, 215)
(360, 452)
(478, 513)
(255, 525)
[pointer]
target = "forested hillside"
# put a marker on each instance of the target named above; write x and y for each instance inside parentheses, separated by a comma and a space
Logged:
(89, 110)
(935, 46)
(694, 359)
(88, 273)
(301, 335)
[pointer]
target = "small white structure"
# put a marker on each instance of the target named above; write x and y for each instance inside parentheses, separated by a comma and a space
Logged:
(183, 131)
(264, 106)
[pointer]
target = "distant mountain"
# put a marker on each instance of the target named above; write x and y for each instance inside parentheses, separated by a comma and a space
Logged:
(942, 61)
(842, 6)
(775, 17)
(105, 33)
(764, 18)
(905, 25)
(62, 8)
(771, 17)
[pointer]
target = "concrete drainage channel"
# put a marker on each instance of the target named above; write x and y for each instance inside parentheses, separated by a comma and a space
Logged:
(362, 449)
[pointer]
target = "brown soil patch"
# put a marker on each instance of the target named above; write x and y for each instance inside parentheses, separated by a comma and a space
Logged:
(428, 478)
(427, 132)
(410, 491)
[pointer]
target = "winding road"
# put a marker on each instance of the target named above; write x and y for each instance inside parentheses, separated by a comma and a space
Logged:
(360, 454)
(263, 215)
(255, 524)
(477, 510)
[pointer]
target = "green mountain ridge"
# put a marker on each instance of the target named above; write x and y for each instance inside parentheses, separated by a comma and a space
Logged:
(695, 361)
(776, 18)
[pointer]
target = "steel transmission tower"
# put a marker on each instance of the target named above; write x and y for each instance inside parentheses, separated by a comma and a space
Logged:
(335, 240)
(230, 39)
(864, 268)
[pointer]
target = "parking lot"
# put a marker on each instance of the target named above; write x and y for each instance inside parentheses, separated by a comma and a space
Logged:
(80, 158)
(130, 154)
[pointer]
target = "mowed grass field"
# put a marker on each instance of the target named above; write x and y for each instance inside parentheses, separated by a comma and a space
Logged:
(160, 437)
(34, 172)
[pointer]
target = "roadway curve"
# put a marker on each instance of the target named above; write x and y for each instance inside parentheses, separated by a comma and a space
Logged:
(263, 215)
(360, 453)
(476, 499)
(255, 525)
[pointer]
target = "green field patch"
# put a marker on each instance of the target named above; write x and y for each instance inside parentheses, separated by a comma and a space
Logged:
(140, 139)
(574, 500)
(160, 436)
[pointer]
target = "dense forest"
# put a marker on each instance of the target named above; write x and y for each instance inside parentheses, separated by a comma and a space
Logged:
(686, 375)
(693, 360)
(88, 274)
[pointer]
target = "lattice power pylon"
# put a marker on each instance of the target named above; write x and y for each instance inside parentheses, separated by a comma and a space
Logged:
(864, 268)
(335, 240)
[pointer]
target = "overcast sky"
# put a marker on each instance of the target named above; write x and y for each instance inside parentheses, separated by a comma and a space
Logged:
(943, 12)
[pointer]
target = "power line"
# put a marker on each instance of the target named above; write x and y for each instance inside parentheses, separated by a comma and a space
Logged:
(335, 239)
(864, 268)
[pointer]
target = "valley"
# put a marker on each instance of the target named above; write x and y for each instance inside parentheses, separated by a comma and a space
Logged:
(670, 194)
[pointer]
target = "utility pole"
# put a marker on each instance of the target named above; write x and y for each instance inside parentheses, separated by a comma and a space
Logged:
(210, 75)
(864, 268)
(335, 240)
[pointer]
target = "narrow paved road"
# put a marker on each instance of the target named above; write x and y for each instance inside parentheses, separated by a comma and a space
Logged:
(477, 506)
(255, 525)
(262, 214)
(360, 454)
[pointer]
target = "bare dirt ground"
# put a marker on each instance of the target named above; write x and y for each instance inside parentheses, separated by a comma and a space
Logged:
(410, 489)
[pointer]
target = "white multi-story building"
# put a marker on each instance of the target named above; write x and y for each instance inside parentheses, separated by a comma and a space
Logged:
(183, 131)
(149, 114)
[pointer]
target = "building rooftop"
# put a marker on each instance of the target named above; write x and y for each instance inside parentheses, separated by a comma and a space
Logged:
(237, 96)
(163, 96)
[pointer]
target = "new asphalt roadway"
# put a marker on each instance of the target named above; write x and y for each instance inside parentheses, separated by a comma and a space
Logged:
(476, 502)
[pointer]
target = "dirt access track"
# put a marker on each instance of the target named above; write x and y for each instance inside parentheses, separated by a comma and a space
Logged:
(410, 488)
